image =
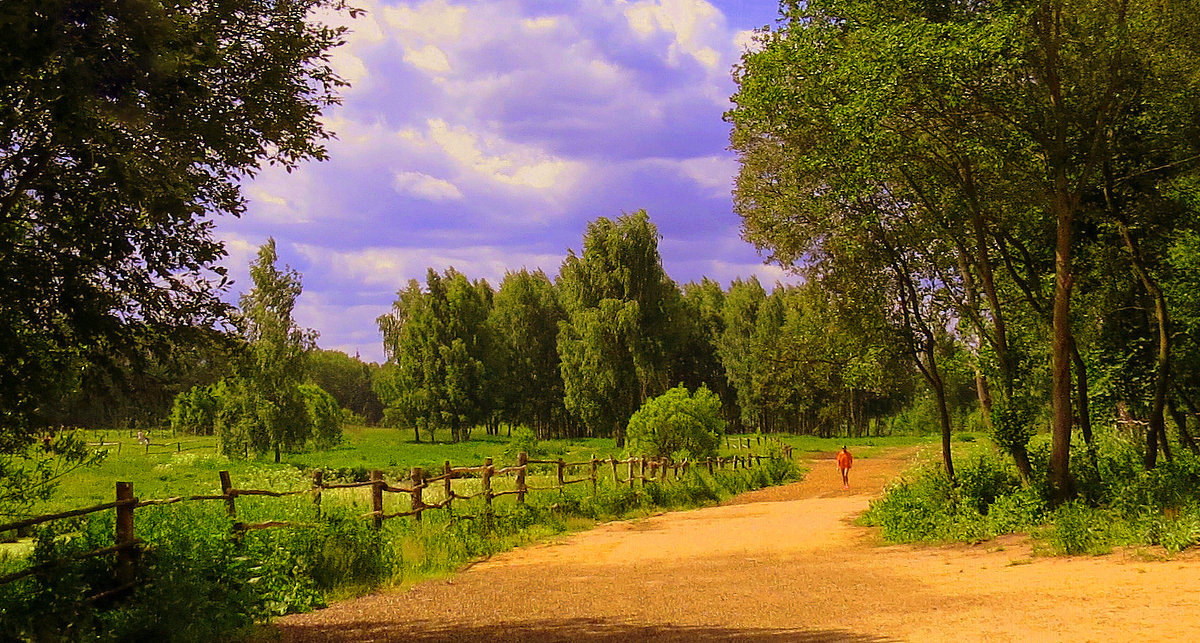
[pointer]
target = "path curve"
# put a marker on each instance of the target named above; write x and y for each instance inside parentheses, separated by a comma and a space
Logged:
(779, 564)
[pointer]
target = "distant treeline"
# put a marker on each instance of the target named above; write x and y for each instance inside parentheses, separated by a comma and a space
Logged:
(577, 355)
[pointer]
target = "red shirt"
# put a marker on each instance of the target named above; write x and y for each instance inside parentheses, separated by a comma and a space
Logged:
(844, 459)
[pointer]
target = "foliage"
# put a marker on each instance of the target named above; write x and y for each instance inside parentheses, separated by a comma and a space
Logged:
(524, 440)
(324, 416)
(527, 381)
(678, 424)
(33, 473)
(195, 412)
(262, 408)
(438, 340)
(124, 127)
(200, 582)
(617, 342)
(348, 380)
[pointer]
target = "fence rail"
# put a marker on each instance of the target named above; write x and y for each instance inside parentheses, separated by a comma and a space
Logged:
(639, 469)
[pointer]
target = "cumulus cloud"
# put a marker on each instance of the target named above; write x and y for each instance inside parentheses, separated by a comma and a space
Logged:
(484, 135)
(424, 186)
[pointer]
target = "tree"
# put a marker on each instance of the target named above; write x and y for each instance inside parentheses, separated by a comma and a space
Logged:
(619, 338)
(524, 325)
(264, 410)
(952, 130)
(701, 324)
(194, 412)
(439, 341)
(348, 380)
(678, 424)
(324, 416)
(124, 127)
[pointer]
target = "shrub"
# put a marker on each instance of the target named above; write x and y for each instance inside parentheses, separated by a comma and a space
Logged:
(194, 412)
(678, 424)
(523, 439)
(324, 416)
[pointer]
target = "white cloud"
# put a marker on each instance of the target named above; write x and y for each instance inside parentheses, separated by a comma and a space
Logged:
(500, 161)
(391, 268)
(714, 173)
(540, 24)
(426, 187)
(692, 24)
(428, 58)
(434, 20)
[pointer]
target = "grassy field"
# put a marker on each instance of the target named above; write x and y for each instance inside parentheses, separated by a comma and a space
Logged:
(190, 464)
(182, 465)
(867, 447)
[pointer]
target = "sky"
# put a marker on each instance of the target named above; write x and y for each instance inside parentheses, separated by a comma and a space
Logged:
(486, 134)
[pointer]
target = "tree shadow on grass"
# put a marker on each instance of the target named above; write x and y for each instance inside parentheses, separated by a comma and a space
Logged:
(565, 630)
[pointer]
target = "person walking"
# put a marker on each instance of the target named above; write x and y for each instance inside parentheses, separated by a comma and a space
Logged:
(844, 462)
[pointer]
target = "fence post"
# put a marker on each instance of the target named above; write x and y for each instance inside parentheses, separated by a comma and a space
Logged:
(593, 474)
(630, 472)
(487, 483)
(613, 463)
(318, 485)
(227, 491)
(448, 471)
(759, 436)
(377, 497)
(709, 461)
(178, 447)
(562, 485)
(522, 464)
(417, 475)
(126, 555)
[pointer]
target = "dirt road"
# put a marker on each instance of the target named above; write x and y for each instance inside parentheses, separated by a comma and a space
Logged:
(780, 564)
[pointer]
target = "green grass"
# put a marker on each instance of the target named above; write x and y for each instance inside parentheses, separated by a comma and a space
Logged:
(868, 447)
(189, 465)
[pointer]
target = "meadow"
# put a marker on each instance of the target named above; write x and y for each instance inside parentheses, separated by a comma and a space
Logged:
(195, 564)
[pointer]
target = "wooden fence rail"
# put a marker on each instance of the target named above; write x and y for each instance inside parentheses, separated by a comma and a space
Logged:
(640, 469)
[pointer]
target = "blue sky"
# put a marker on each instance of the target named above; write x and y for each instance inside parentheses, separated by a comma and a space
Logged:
(484, 135)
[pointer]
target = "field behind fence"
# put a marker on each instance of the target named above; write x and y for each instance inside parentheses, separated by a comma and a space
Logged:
(419, 492)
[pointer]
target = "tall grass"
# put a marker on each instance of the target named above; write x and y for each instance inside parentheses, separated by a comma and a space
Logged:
(1119, 503)
(201, 581)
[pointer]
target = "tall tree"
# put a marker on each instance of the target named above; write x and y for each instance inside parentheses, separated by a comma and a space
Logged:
(619, 329)
(439, 342)
(265, 408)
(125, 126)
(524, 325)
(348, 380)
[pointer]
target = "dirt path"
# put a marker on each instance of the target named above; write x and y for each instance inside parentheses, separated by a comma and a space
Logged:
(779, 564)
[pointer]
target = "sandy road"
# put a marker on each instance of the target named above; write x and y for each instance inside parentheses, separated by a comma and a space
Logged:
(779, 564)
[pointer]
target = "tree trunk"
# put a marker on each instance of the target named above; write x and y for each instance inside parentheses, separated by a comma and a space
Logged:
(1060, 452)
(939, 391)
(1185, 437)
(1157, 427)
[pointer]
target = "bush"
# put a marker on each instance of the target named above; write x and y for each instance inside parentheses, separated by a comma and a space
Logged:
(678, 424)
(194, 412)
(523, 439)
(324, 416)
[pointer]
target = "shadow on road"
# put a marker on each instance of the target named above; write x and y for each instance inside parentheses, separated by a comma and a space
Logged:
(584, 630)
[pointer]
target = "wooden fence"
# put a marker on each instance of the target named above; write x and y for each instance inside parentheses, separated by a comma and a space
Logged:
(639, 470)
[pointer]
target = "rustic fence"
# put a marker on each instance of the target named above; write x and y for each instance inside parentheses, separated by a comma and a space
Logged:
(637, 470)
